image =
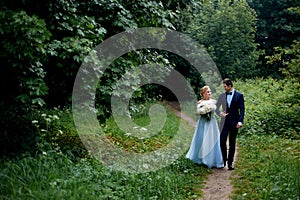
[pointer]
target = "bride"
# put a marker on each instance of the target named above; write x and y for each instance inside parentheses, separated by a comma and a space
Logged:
(205, 146)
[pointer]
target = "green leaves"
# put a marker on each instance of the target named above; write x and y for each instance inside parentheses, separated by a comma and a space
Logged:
(272, 107)
(23, 45)
(227, 31)
(51, 174)
(277, 26)
(268, 160)
(287, 59)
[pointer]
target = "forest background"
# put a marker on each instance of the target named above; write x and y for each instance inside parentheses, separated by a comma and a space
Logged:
(44, 43)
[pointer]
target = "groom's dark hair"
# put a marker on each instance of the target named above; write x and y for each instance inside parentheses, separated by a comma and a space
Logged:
(228, 82)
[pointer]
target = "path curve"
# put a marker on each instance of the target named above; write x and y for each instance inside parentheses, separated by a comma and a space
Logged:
(218, 184)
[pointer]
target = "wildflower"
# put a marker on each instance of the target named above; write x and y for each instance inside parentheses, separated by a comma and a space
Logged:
(34, 121)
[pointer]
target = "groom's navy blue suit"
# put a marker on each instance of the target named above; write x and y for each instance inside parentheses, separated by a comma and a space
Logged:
(228, 124)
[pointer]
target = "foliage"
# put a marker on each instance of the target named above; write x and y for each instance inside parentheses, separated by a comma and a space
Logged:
(39, 131)
(268, 160)
(50, 174)
(17, 133)
(272, 107)
(55, 131)
(277, 26)
(23, 54)
(140, 140)
(278, 22)
(44, 43)
(268, 168)
(56, 36)
(288, 59)
(227, 30)
(127, 68)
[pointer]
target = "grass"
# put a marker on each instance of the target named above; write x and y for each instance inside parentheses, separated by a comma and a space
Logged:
(268, 167)
(268, 164)
(53, 175)
(147, 136)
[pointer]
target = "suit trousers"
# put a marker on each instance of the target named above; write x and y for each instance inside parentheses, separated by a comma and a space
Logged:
(232, 131)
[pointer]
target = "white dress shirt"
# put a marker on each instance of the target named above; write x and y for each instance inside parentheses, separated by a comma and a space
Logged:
(229, 98)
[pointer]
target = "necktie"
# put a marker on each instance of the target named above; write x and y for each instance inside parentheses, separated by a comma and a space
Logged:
(228, 93)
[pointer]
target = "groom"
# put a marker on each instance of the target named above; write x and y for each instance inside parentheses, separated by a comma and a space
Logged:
(232, 114)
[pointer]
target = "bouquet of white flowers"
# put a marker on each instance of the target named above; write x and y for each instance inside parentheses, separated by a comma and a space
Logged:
(205, 108)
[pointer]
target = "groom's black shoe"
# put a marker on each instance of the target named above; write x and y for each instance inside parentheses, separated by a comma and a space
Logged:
(230, 167)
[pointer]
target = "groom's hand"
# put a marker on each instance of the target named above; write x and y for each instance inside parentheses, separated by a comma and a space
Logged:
(239, 125)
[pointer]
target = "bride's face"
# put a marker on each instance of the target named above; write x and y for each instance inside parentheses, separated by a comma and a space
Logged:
(207, 94)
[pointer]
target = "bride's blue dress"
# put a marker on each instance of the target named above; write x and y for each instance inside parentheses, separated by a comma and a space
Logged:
(205, 146)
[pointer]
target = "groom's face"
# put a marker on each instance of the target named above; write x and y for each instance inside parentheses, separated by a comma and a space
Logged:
(227, 88)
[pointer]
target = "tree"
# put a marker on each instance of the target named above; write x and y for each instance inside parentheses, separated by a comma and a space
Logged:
(288, 59)
(227, 30)
(23, 54)
(278, 26)
(43, 44)
(66, 31)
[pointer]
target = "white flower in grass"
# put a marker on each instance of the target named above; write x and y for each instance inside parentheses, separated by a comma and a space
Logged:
(43, 130)
(146, 166)
(43, 115)
(128, 134)
(34, 121)
(44, 153)
(143, 129)
(55, 117)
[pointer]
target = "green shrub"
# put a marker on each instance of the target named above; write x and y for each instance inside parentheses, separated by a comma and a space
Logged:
(268, 164)
(272, 106)
(55, 130)
(17, 133)
(38, 131)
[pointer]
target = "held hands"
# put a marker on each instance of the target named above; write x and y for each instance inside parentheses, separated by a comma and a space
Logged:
(223, 114)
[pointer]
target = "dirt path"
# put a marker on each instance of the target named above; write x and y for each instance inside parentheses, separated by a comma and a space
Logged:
(217, 185)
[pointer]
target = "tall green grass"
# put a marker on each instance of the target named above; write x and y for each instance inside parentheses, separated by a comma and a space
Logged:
(268, 165)
(52, 173)
(55, 176)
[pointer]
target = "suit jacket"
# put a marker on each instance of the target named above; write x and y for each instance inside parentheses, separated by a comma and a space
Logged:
(236, 110)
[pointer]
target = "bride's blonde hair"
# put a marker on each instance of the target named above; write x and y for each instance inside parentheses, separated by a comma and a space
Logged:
(203, 90)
